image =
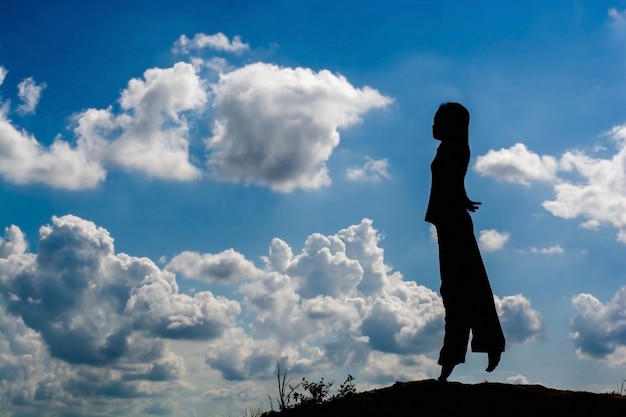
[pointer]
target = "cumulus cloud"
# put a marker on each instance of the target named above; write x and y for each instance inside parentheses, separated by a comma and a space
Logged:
(167, 368)
(520, 322)
(338, 288)
(600, 194)
(14, 242)
(54, 292)
(159, 310)
(24, 160)
(585, 186)
(323, 268)
(517, 164)
(278, 126)
(79, 320)
(386, 368)
(30, 93)
(407, 319)
(492, 240)
(552, 250)
(599, 330)
(218, 41)
(272, 126)
(226, 266)
(372, 171)
(151, 133)
(338, 297)
(239, 357)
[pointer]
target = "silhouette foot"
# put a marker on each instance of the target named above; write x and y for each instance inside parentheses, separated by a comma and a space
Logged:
(446, 370)
(494, 360)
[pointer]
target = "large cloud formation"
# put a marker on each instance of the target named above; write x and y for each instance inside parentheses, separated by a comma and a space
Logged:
(94, 319)
(272, 126)
(337, 305)
(277, 126)
(586, 186)
(76, 268)
(80, 320)
(149, 134)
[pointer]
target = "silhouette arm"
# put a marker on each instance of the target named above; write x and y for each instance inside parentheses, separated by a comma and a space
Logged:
(472, 205)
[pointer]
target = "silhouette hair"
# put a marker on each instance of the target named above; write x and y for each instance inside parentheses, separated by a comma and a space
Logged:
(451, 121)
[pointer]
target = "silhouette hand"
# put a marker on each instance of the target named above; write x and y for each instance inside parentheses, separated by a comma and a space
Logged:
(472, 205)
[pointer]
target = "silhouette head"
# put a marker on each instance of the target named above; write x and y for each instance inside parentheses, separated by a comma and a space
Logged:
(451, 122)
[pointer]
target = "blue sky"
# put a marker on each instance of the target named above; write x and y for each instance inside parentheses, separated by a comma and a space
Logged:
(191, 192)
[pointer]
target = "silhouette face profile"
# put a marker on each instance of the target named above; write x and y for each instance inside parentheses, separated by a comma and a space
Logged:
(451, 122)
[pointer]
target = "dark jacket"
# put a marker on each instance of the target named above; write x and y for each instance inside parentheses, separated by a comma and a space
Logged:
(448, 199)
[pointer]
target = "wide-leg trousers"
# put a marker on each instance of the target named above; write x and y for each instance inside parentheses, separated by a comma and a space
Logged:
(466, 294)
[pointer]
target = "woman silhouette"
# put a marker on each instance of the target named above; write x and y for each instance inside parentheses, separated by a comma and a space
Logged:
(465, 288)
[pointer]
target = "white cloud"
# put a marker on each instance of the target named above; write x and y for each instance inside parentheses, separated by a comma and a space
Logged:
(159, 310)
(383, 369)
(226, 266)
(215, 64)
(585, 186)
(599, 330)
(323, 268)
(14, 244)
(278, 126)
(552, 250)
(75, 269)
(520, 322)
(492, 240)
(151, 134)
(600, 195)
(518, 379)
(3, 74)
(239, 357)
(78, 320)
(274, 126)
(591, 224)
(24, 160)
(517, 164)
(30, 93)
(373, 171)
(407, 318)
(24, 373)
(338, 288)
(218, 41)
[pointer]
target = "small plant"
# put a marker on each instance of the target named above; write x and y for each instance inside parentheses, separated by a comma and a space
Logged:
(307, 392)
(347, 389)
(286, 392)
(318, 392)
